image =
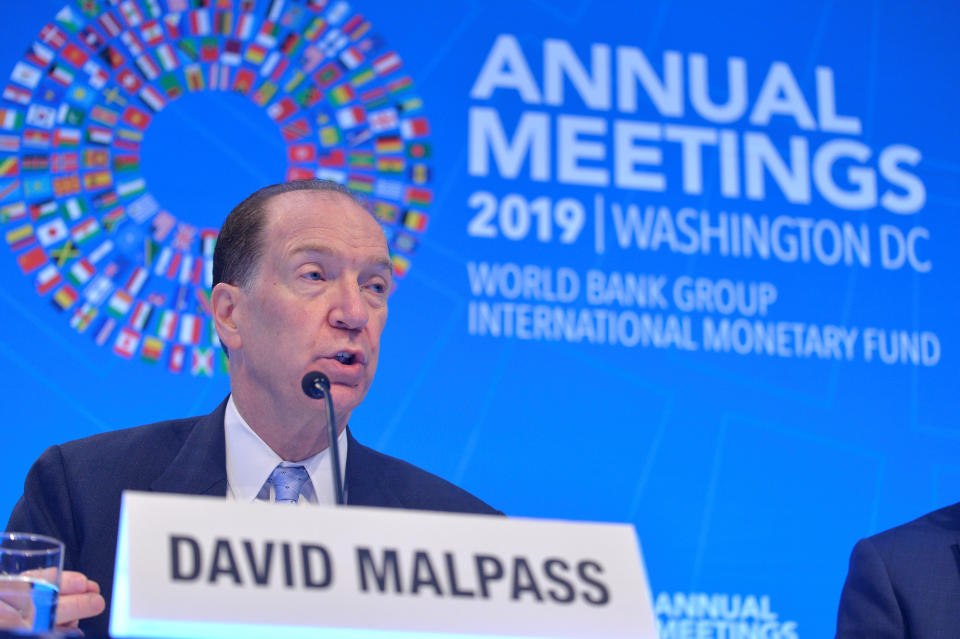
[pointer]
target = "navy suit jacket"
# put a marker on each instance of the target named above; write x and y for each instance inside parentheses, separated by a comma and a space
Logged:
(905, 582)
(73, 491)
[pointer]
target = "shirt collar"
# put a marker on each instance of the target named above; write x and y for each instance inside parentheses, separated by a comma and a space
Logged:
(250, 461)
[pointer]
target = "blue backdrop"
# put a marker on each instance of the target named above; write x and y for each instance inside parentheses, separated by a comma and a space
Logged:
(679, 264)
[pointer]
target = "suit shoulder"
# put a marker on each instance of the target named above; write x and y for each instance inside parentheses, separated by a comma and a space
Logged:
(154, 439)
(941, 523)
(416, 488)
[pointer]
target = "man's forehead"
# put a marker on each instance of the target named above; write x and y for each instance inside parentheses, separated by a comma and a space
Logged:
(292, 212)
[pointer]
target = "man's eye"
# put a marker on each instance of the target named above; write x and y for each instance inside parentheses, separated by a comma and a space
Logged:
(313, 275)
(377, 287)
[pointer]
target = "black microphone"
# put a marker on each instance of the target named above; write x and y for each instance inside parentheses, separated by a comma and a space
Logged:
(316, 385)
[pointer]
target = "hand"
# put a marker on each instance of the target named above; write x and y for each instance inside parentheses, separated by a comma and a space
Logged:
(79, 598)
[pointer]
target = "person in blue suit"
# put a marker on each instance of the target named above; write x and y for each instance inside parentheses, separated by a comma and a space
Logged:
(905, 582)
(302, 276)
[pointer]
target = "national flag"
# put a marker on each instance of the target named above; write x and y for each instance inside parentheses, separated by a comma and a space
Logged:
(419, 173)
(136, 280)
(112, 56)
(20, 237)
(360, 183)
(43, 210)
(360, 159)
(277, 70)
(401, 265)
(167, 57)
(199, 22)
(267, 36)
(99, 134)
(141, 315)
(189, 47)
(8, 189)
(177, 356)
(190, 328)
(171, 86)
(31, 260)
(13, 212)
(66, 185)
(97, 180)
(295, 130)
(354, 25)
(341, 95)
(34, 138)
(194, 76)
(409, 105)
(414, 128)
(53, 36)
(61, 74)
(201, 361)
(307, 96)
(38, 186)
(9, 166)
(386, 144)
(305, 152)
(350, 58)
(85, 230)
(418, 196)
(243, 81)
(268, 66)
(128, 139)
(95, 158)
(65, 137)
(47, 279)
(282, 109)
(349, 117)
(161, 225)
(74, 55)
(299, 173)
(151, 350)
(131, 187)
(102, 332)
(112, 218)
(119, 303)
(255, 54)
(132, 42)
(167, 324)
(135, 117)
(264, 93)
(335, 158)
(65, 253)
(109, 24)
(172, 23)
(329, 135)
(83, 316)
(65, 297)
(151, 97)
(231, 52)
(81, 272)
(389, 189)
(96, 76)
(390, 165)
(39, 55)
(126, 162)
(26, 75)
(314, 28)
(383, 120)
(386, 64)
(327, 75)
(147, 66)
(219, 77)
(75, 208)
(126, 343)
(401, 85)
(151, 32)
(10, 143)
(418, 150)
(245, 24)
(362, 77)
(128, 80)
(101, 251)
(67, 114)
(131, 13)
(67, 19)
(91, 38)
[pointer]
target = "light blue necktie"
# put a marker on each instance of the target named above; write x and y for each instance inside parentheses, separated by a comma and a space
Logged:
(287, 481)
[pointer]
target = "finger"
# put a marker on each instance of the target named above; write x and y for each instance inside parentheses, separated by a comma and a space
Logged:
(75, 583)
(10, 617)
(74, 607)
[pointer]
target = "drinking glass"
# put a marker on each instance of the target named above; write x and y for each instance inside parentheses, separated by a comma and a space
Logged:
(30, 567)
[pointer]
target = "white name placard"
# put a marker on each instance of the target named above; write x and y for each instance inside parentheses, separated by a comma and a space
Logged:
(206, 567)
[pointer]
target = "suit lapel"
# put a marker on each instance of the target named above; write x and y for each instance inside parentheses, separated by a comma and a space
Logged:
(200, 468)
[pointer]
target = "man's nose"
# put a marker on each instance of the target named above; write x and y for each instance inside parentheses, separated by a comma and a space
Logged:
(349, 310)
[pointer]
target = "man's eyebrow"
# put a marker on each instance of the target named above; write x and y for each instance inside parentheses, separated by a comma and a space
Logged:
(379, 261)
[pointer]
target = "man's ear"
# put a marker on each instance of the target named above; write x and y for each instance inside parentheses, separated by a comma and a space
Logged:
(224, 302)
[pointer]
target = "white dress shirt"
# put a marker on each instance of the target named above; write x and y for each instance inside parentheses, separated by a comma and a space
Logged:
(250, 461)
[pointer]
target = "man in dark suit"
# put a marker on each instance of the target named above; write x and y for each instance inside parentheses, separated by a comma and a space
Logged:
(905, 582)
(302, 274)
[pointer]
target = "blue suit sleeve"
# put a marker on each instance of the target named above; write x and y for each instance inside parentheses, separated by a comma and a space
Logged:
(45, 507)
(868, 605)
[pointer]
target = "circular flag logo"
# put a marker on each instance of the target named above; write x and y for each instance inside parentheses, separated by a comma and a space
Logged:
(77, 211)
